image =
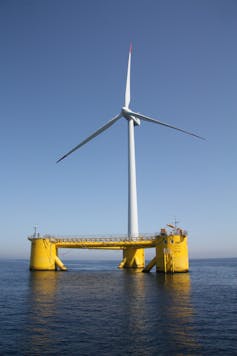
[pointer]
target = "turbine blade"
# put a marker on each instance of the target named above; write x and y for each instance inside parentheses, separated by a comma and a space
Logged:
(127, 92)
(149, 119)
(96, 133)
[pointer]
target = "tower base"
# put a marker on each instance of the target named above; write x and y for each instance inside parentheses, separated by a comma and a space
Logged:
(133, 258)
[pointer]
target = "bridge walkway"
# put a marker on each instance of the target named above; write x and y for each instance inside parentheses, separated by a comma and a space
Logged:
(113, 243)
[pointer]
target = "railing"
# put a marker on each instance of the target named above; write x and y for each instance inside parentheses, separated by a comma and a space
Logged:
(96, 238)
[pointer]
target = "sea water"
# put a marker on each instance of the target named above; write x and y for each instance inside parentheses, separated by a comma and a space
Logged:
(96, 309)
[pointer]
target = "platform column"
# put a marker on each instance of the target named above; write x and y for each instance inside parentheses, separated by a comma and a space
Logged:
(43, 255)
(172, 254)
(133, 258)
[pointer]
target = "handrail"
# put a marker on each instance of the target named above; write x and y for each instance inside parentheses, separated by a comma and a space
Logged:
(108, 238)
(98, 238)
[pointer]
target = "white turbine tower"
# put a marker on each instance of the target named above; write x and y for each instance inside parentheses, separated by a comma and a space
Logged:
(133, 118)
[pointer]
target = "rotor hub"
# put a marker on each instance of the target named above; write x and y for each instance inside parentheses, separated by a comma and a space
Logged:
(128, 114)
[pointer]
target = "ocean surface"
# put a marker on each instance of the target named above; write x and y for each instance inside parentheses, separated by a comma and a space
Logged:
(97, 309)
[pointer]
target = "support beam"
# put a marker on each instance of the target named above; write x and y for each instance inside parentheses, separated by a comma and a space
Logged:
(59, 263)
(150, 265)
(122, 263)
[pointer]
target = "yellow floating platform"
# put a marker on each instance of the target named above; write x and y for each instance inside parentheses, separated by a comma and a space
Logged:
(171, 251)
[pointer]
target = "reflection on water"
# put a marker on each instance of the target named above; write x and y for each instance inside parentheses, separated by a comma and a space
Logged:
(160, 312)
(101, 310)
(42, 307)
(177, 310)
(93, 311)
(133, 307)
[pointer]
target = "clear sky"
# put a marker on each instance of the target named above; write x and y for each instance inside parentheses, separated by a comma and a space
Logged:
(62, 75)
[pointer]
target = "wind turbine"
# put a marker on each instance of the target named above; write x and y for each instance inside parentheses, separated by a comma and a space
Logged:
(133, 119)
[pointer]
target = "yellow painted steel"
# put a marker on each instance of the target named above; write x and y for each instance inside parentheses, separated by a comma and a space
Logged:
(44, 256)
(150, 265)
(133, 258)
(171, 251)
(59, 263)
(172, 254)
(106, 244)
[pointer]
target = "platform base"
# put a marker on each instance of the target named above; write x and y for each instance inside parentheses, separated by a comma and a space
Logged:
(44, 256)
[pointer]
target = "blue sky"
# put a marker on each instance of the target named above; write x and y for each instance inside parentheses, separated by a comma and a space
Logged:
(63, 70)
